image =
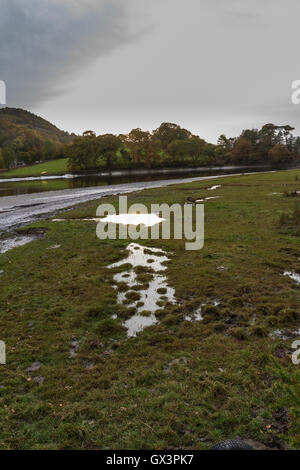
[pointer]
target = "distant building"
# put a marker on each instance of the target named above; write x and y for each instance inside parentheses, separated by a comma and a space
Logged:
(17, 164)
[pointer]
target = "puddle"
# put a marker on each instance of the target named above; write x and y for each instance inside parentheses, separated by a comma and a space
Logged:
(283, 334)
(207, 198)
(138, 323)
(214, 187)
(222, 268)
(77, 220)
(253, 320)
(293, 275)
(54, 247)
(138, 256)
(197, 315)
(10, 243)
(149, 220)
(157, 290)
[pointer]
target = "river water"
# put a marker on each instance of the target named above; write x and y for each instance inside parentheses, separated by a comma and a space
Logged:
(38, 184)
(25, 200)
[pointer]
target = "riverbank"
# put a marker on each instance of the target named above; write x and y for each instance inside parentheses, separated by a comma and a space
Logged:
(185, 382)
(53, 167)
(58, 168)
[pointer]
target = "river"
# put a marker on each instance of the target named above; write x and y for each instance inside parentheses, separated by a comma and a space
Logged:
(24, 201)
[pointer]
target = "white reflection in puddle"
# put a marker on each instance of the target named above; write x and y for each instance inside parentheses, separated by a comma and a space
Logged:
(293, 275)
(207, 198)
(197, 315)
(145, 257)
(138, 323)
(151, 258)
(149, 220)
(278, 334)
(9, 244)
(214, 187)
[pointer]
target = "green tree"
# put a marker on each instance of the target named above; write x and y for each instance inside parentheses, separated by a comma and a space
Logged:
(107, 147)
(167, 132)
(83, 153)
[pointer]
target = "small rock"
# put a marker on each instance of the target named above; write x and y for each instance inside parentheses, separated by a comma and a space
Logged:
(180, 360)
(74, 348)
(39, 380)
(34, 367)
(89, 364)
(256, 445)
(281, 352)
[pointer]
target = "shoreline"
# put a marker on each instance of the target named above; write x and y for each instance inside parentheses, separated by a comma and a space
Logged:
(12, 206)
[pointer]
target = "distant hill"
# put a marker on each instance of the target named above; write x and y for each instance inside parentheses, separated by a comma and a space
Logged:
(26, 138)
(13, 120)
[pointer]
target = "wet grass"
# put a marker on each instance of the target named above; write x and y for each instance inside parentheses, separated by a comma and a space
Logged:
(178, 384)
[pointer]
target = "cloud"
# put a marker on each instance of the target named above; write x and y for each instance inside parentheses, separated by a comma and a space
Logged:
(45, 43)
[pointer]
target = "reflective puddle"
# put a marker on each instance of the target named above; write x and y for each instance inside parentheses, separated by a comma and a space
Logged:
(10, 243)
(293, 275)
(149, 220)
(207, 198)
(197, 315)
(151, 294)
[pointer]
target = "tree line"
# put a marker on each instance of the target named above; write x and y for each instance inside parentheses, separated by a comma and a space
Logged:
(26, 139)
(173, 146)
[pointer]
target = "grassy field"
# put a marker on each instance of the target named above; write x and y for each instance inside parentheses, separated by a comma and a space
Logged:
(53, 167)
(178, 384)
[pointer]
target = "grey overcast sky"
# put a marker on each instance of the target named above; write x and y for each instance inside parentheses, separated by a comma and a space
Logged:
(212, 66)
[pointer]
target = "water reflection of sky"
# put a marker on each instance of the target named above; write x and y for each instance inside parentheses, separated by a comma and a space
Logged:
(18, 186)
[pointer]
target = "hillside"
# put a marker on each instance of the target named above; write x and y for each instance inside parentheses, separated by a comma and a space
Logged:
(13, 120)
(25, 137)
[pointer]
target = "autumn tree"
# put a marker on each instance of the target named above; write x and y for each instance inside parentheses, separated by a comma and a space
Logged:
(279, 153)
(144, 147)
(242, 151)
